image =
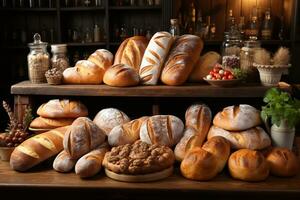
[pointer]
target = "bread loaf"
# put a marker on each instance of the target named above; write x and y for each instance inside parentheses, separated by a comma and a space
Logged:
(199, 116)
(126, 133)
(107, 119)
(189, 140)
(63, 162)
(254, 138)
(82, 136)
(203, 66)
(121, 75)
(181, 60)
(199, 165)
(102, 58)
(50, 123)
(237, 118)
(162, 129)
(37, 149)
(84, 72)
(154, 57)
(131, 52)
(283, 162)
(220, 148)
(248, 165)
(62, 109)
(90, 164)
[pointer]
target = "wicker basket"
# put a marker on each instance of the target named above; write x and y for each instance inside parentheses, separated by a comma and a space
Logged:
(57, 80)
(270, 75)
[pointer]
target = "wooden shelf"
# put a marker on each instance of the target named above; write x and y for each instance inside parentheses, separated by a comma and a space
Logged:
(188, 90)
(86, 44)
(28, 9)
(134, 8)
(83, 8)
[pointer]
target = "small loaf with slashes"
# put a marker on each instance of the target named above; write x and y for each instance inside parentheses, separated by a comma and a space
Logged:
(37, 149)
(182, 58)
(102, 58)
(63, 162)
(154, 57)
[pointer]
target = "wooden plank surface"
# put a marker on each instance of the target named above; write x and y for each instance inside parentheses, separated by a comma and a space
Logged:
(190, 90)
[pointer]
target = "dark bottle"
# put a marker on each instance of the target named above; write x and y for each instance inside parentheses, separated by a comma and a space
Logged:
(267, 27)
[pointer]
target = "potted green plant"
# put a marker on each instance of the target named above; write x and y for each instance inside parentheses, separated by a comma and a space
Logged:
(284, 112)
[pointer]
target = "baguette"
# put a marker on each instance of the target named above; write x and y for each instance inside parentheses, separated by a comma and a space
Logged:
(90, 164)
(63, 162)
(37, 149)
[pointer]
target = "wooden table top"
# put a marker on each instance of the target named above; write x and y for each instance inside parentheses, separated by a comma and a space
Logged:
(188, 90)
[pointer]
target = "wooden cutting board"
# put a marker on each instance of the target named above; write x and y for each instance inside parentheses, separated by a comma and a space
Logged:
(140, 178)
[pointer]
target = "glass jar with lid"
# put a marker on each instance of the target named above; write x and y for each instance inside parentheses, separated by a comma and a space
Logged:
(59, 58)
(38, 60)
(231, 48)
(246, 59)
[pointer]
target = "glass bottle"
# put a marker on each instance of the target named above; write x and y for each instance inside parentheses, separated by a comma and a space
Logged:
(98, 3)
(267, 27)
(88, 36)
(123, 33)
(231, 48)
(96, 33)
(190, 22)
(200, 25)
(242, 26)
(59, 58)
(150, 2)
(253, 28)
(31, 4)
(230, 21)
(38, 60)
(207, 28)
(174, 29)
(213, 31)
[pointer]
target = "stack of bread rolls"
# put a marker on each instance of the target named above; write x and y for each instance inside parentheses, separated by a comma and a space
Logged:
(57, 113)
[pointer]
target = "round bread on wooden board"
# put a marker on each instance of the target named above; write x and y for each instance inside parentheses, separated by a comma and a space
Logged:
(50, 123)
(181, 59)
(131, 52)
(237, 118)
(254, 138)
(84, 72)
(102, 58)
(248, 165)
(162, 129)
(154, 57)
(203, 66)
(108, 118)
(82, 136)
(121, 75)
(283, 162)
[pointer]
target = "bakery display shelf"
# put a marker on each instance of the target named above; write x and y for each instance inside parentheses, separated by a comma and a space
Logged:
(135, 8)
(83, 8)
(44, 179)
(86, 44)
(187, 90)
(28, 9)
(263, 42)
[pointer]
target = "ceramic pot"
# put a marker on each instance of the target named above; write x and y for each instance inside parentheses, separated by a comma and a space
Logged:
(270, 75)
(282, 136)
(5, 153)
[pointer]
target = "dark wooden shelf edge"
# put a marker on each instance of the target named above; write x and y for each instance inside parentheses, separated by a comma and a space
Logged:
(134, 7)
(82, 8)
(28, 9)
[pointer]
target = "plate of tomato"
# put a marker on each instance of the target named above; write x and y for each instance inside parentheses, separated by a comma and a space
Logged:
(221, 77)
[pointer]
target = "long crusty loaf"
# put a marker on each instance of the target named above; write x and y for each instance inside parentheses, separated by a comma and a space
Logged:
(63, 162)
(37, 149)
(154, 57)
(181, 60)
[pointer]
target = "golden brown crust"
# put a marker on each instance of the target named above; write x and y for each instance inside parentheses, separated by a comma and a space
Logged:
(138, 158)
(48, 123)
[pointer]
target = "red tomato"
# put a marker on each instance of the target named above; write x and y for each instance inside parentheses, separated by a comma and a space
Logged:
(226, 73)
(213, 78)
(218, 76)
(224, 78)
(230, 77)
(211, 73)
(216, 70)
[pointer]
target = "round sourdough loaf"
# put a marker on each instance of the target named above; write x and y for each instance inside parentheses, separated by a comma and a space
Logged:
(121, 75)
(248, 165)
(238, 118)
(254, 138)
(162, 129)
(131, 52)
(108, 118)
(102, 58)
(283, 162)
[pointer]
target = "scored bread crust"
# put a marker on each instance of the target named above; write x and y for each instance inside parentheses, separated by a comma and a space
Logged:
(50, 123)
(102, 58)
(154, 57)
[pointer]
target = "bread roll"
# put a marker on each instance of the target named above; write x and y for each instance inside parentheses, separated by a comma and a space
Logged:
(84, 72)
(283, 162)
(189, 140)
(90, 164)
(203, 66)
(248, 165)
(199, 117)
(254, 138)
(131, 52)
(121, 75)
(220, 148)
(154, 57)
(238, 118)
(82, 136)
(181, 60)
(62, 109)
(102, 58)
(48, 123)
(199, 165)
(107, 119)
(63, 162)
(162, 129)
(37, 149)
(126, 133)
